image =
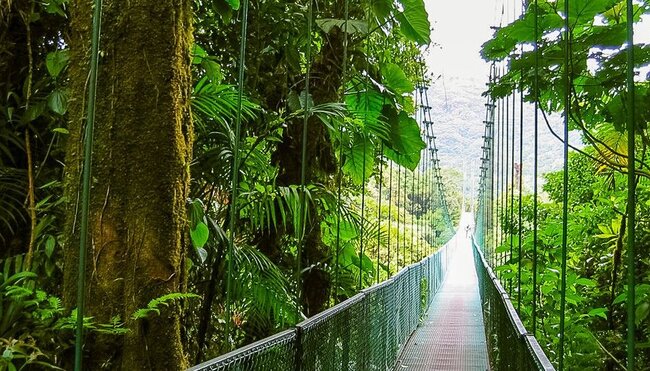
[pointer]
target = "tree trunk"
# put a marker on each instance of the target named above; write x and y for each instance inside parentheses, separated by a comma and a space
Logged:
(140, 176)
(321, 166)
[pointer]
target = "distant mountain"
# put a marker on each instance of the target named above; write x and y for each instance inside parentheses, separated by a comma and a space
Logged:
(458, 110)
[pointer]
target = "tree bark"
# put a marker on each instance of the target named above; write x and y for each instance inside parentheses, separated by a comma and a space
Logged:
(140, 176)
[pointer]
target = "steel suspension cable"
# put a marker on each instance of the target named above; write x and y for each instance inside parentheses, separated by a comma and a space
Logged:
(506, 170)
(344, 73)
(397, 203)
(535, 166)
(565, 181)
(363, 161)
(501, 179)
(381, 181)
(363, 202)
(404, 196)
(85, 182)
(303, 165)
(521, 178)
(431, 141)
(631, 191)
(234, 211)
(512, 185)
(390, 214)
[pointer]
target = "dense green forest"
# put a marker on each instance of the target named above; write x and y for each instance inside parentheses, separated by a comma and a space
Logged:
(598, 204)
(179, 267)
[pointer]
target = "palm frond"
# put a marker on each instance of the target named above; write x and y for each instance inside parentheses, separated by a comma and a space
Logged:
(13, 186)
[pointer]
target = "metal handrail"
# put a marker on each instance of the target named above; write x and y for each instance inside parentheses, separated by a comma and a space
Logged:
(509, 336)
(320, 342)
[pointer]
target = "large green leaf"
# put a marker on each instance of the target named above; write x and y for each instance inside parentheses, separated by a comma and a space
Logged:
(414, 22)
(382, 8)
(359, 160)
(354, 26)
(584, 11)
(56, 61)
(395, 79)
(200, 235)
(364, 100)
(406, 142)
(58, 101)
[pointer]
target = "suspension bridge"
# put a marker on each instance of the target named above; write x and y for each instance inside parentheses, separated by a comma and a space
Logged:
(449, 309)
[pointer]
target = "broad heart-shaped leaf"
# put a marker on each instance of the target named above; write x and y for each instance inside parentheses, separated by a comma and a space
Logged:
(584, 11)
(56, 62)
(359, 160)
(58, 101)
(199, 235)
(382, 8)
(354, 26)
(364, 100)
(405, 140)
(395, 79)
(414, 22)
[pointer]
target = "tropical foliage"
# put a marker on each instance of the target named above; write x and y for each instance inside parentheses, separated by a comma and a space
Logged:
(597, 201)
(361, 125)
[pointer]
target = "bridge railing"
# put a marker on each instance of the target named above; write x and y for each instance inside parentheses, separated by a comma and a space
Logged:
(364, 332)
(510, 345)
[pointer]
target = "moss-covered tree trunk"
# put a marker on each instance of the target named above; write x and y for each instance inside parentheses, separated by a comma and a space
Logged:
(140, 176)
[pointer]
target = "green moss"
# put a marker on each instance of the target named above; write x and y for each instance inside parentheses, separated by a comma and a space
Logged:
(140, 175)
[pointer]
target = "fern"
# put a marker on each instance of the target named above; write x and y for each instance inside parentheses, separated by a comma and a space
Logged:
(155, 304)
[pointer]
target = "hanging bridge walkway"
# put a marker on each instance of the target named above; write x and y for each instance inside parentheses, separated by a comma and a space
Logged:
(452, 335)
(446, 312)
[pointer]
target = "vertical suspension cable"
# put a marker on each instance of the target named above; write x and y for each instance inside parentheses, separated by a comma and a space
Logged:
(363, 202)
(344, 73)
(512, 184)
(521, 178)
(506, 170)
(85, 182)
(390, 214)
(381, 180)
(565, 181)
(413, 194)
(504, 109)
(631, 192)
(303, 165)
(404, 219)
(491, 166)
(397, 203)
(363, 162)
(535, 167)
(234, 211)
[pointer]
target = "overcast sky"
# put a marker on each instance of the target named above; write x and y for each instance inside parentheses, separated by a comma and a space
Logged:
(460, 27)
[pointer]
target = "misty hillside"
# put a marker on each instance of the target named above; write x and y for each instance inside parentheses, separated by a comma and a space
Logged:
(458, 109)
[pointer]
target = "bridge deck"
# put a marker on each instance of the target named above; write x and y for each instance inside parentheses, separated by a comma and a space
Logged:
(452, 336)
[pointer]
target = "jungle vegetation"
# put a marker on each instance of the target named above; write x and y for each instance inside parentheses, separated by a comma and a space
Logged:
(162, 165)
(597, 174)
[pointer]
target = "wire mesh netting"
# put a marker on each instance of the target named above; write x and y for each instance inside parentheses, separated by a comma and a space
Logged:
(276, 352)
(365, 332)
(510, 345)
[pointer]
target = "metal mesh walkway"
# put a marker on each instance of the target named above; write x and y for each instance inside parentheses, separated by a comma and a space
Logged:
(452, 336)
